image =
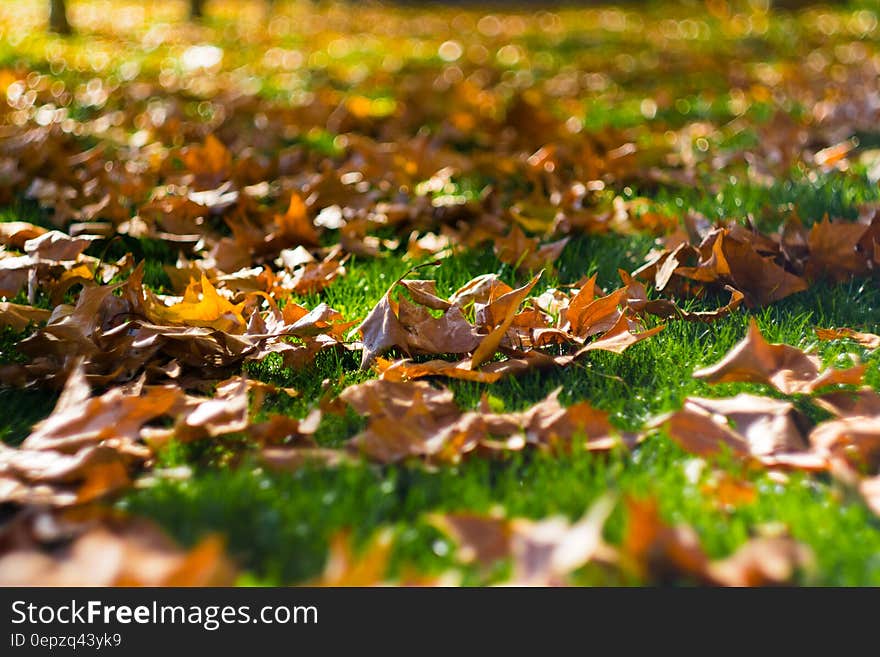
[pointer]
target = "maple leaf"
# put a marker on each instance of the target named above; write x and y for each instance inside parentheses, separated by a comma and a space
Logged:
(663, 553)
(851, 441)
(424, 292)
(550, 423)
(48, 477)
(210, 163)
(595, 316)
(415, 419)
(867, 340)
(404, 369)
(637, 300)
(833, 250)
(763, 561)
(291, 459)
(312, 277)
(726, 257)
(766, 430)
(345, 567)
(201, 306)
(227, 412)
(381, 330)
(527, 254)
(19, 317)
(870, 490)
(294, 226)
(544, 553)
(845, 403)
(55, 245)
(786, 368)
(114, 418)
(17, 233)
(618, 338)
(760, 279)
(509, 302)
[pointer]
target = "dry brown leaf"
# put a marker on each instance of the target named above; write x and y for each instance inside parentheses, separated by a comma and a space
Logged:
(510, 302)
(735, 257)
(415, 419)
(550, 423)
(55, 245)
(450, 333)
(786, 368)
(480, 538)
(114, 419)
(211, 163)
(404, 369)
(833, 251)
(392, 398)
(381, 330)
(19, 317)
(527, 254)
(618, 338)
(16, 233)
(544, 553)
(843, 403)
(597, 316)
(867, 340)
(870, 490)
(760, 279)
(294, 226)
(290, 459)
(637, 300)
(762, 562)
(51, 478)
(118, 553)
(225, 413)
(768, 431)
(852, 441)
(346, 567)
(658, 552)
(661, 553)
(424, 292)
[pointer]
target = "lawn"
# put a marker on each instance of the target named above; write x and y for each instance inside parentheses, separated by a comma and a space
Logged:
(618, 129)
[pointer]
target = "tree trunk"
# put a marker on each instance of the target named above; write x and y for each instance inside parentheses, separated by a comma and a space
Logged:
(58, 17)
(196, 9)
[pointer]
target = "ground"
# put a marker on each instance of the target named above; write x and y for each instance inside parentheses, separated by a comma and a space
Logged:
(726, 106)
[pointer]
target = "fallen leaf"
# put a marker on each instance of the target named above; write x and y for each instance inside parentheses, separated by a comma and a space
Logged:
(345, 567)
(767, 430)
(762, 562)
(201, 306)
(510, 302)
(118, 553)
(19, 317)
(661, 553)
(544, 553)
(294, 226)
(381, 330)
(867, 340)
(786, 368)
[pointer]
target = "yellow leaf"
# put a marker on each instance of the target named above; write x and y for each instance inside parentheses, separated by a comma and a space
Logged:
(201, 306)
